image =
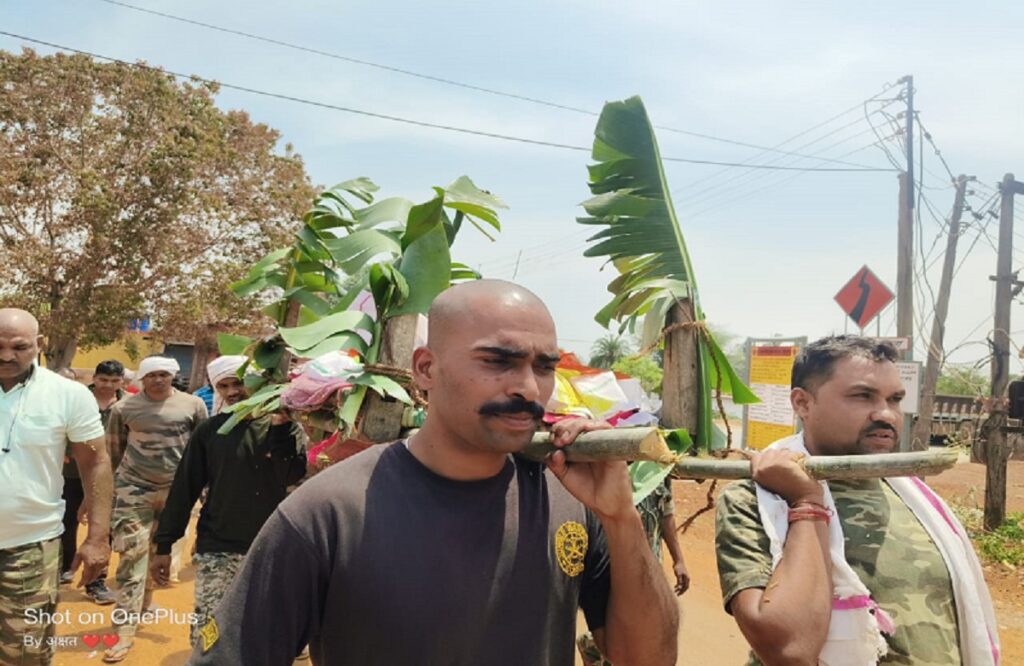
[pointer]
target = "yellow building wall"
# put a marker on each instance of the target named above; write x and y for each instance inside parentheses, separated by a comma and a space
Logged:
(118, 351)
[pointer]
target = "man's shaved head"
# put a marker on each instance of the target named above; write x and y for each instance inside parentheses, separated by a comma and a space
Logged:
(488, 368)
(18, 321)
(469, 301)
(19, 345)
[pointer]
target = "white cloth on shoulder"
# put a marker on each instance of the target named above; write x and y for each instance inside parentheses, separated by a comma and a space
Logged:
(975, 618)
(857, 623)
(854, 633)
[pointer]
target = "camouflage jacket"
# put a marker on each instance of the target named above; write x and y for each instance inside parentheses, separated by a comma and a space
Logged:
(885, 545)
(151, 435)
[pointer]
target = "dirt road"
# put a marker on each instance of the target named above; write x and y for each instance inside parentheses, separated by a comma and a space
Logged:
(708, 636)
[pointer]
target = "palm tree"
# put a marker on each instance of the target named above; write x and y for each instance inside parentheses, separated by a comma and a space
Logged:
(609, 349)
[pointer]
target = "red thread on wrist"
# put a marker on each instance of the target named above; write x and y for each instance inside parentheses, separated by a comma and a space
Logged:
(809, 503)
(824, 516)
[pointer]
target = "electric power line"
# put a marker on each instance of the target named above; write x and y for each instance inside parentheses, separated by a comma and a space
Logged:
(408, 121)
(780, 144)
(726, 188)
(888, 155)
(938, 153)
(432, 78)
(730, 197)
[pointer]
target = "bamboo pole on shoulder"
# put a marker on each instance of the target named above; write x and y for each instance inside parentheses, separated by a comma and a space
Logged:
(870, 466)
(634, 444)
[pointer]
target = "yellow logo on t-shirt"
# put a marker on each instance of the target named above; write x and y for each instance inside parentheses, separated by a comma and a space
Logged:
(210, 634)
(571, 547)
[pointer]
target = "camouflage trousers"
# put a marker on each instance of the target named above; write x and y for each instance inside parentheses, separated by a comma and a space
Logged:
(214, 573)
(133, 524)
(589, 652)
(28, 601)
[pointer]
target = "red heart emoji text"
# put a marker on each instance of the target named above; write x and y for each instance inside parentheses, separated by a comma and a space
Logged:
(92, 640)
(110, 640)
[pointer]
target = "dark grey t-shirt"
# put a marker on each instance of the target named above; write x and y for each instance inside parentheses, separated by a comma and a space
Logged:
(380, 561)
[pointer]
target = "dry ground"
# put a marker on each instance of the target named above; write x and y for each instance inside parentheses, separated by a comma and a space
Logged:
(708, 635)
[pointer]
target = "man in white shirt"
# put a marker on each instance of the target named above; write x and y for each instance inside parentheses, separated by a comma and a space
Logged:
(39, 412)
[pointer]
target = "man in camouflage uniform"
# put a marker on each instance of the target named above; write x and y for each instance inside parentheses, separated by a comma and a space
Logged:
(658, 513)
(39, 412)
(247, 472)
(151, 428)
(847, 392)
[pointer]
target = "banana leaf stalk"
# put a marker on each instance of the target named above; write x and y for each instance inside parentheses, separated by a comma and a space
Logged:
(639, 233)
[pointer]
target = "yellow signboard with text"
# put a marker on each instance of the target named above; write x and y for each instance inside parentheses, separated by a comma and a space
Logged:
(773, 417)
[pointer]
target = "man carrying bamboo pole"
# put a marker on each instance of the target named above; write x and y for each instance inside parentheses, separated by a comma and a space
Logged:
(849, 572)
(448, 548)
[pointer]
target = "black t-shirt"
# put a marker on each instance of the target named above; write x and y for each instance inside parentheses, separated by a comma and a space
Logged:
(247, 471)
(380, 561)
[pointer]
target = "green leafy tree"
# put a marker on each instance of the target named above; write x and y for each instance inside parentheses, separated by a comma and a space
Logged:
(124, 194)
(963, 380)
(609, 350)
(643, 368)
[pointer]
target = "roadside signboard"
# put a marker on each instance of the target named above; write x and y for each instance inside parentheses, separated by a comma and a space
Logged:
(910, 373)
(863, 297)
(770, 366)
(901, 344)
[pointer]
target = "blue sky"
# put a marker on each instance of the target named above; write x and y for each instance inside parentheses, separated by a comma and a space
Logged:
(770, 249)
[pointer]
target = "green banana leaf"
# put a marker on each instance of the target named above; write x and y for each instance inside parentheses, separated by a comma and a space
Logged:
(303, 339)
(357, 249)
(640, 235)
(264, 401)
(466, 198)
(394, 209)
(646, 477)
(232, 345)
(426, 267)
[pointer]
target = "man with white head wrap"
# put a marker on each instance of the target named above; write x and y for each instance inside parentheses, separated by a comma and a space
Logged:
(220, 368)
(247, 471)
(152, 429)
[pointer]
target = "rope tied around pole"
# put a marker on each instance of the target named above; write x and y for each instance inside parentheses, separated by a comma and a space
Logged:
(403, 377)
(701, 327)
(698, 325)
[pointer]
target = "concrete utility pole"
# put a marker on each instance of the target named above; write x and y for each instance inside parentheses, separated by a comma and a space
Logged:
(905, 263)
(996, 451)
(905, 249)
(905, 240)
(922, 431)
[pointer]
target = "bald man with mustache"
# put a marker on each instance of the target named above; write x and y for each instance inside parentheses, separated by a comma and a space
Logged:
(449, 548)
(39, 412)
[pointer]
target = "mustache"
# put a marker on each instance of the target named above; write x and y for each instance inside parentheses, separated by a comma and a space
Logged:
(513, 406)
(877, 427)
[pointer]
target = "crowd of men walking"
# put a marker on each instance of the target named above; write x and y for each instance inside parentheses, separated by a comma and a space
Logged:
(448, 547)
